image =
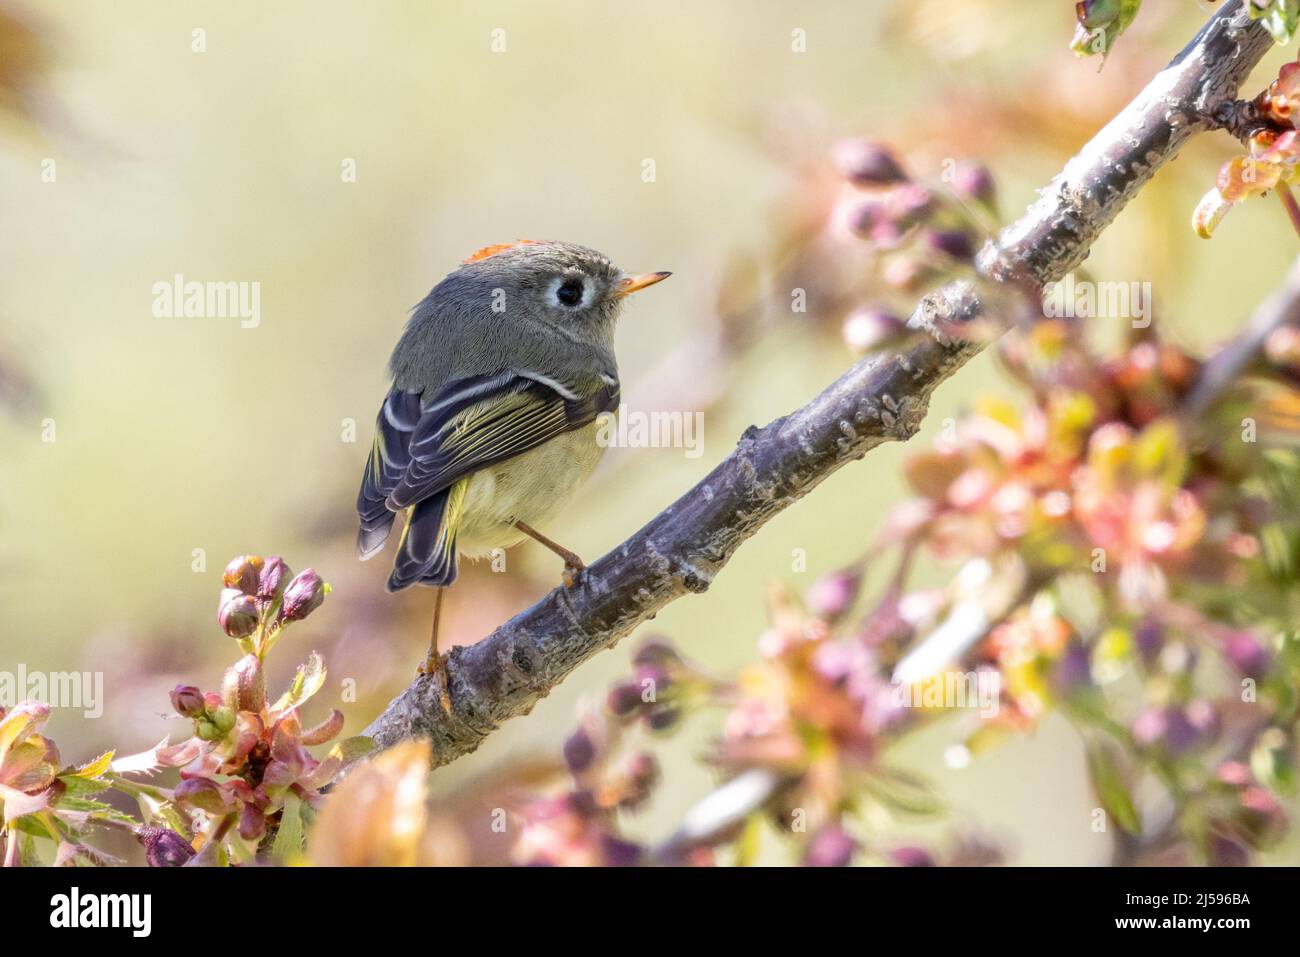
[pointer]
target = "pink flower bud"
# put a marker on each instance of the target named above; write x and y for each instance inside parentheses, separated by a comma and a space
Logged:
(911, 204)
(954, 243)
(870, 328)
(1247, 654)
(663, 717)
(911, 857)
(270, 584)
(1261, 815)
(867, 163)
(324, 731)
(1096, 13)
(1150, 727)
(830, 847)
(38, 711)
(163, 847)
(237, 613)
(252, 823)
(187, 700)
(579, 751)
(623, 698)
(302, 596)
(657, 652)
(832, 595)
(1233, 773)
(973, 181)
(616, 852)
(242, 573)
(244, 688)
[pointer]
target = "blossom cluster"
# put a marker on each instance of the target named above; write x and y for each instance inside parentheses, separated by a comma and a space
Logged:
(247, 781)
(862, 234)
(580, 823)
(1271, 160)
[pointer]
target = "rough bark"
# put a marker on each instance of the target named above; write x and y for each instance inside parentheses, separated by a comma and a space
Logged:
(883, 397)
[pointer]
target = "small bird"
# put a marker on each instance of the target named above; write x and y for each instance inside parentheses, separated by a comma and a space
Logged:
(491, 423)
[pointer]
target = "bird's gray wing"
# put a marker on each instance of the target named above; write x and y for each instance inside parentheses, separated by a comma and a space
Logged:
(424, 443)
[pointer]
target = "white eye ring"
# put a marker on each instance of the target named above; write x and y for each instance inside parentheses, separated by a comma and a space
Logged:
(568, 280)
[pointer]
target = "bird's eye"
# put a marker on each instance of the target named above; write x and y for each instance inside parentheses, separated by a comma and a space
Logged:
(569, 292)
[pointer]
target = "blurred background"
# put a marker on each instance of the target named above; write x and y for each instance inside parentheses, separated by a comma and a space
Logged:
(179, 443)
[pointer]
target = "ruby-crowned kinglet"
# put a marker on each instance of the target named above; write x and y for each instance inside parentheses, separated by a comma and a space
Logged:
(490, 426)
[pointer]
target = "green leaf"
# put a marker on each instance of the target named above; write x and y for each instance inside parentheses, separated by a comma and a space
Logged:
(28, 853)
(1102, 24)
(309, 679)
(1108, 784)
(153, 810)
(33, 826)
(288, 840)
(92, 769)
(78, 785)
(1280, 18)
(96, 809)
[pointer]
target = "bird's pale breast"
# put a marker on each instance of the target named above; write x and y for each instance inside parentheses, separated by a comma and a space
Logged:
(531, 488)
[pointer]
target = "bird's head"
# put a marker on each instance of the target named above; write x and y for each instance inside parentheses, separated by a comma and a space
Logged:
(565, 286)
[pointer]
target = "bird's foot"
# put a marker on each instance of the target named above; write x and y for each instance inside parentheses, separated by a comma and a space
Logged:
(573, 567)
(435, 667)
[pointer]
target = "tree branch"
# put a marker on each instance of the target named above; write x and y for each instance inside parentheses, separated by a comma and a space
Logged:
(882, 398)
(1281, 308)
(722, 811)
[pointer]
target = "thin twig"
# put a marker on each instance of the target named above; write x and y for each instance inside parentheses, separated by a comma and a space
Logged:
(1225, 367)
(1289, 204)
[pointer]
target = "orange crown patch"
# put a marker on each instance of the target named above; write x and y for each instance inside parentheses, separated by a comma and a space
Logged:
(495, 248)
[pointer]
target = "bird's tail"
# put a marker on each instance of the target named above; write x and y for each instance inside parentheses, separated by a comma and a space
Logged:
(374, 530)
(427, 551)
(390, 456)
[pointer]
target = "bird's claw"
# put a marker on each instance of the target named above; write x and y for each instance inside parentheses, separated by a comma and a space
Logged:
(435, 666)
(572, 569)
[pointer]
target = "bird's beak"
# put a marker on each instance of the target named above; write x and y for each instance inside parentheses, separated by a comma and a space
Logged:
(631, 284)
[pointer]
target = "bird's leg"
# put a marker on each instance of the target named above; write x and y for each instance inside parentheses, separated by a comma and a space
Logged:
(572, 563)
(435, 662)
